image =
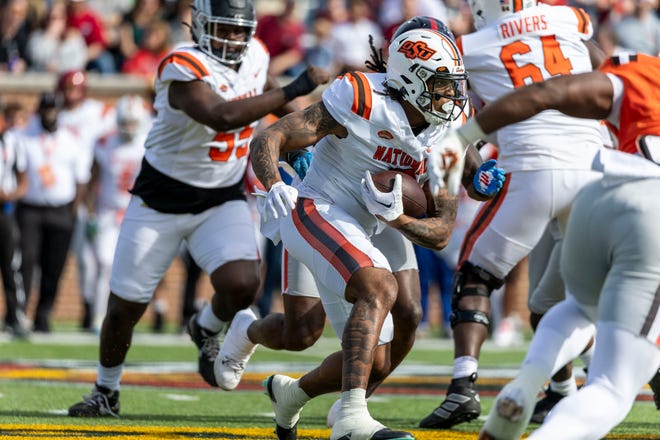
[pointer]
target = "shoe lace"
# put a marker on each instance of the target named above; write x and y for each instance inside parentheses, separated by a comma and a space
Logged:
(233, 364)
(210, 347)
(97, 399)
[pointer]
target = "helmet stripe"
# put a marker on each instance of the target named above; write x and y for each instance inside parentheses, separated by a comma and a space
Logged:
(452, 47)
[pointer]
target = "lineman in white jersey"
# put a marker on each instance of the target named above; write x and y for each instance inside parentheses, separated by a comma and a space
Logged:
(366, 123)
(117, 160)
(209, 98)
(517, 43)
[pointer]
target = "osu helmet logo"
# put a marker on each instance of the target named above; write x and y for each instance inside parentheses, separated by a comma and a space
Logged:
(416, 49)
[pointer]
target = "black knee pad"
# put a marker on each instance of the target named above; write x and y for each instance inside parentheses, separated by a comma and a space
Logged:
(489, 283)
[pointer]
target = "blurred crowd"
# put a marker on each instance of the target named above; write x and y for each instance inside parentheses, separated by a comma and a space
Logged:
(132, 36)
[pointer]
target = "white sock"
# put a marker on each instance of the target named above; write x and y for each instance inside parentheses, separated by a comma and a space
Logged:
(565, 387)
(209, 321)
(300, 395)
(464, 366)
(353, 402)
(587, 355)
(109, 377)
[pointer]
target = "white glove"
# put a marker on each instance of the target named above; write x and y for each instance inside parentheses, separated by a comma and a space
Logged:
(445, 163)
(387, 205)
(280, 200)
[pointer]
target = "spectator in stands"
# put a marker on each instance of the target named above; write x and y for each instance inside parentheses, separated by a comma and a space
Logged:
(392, 12)
(14, 33)
(282, 34)
(179, 18)
(80, 16)
(134, 26)
(319, 51)
(55, 47)
(350, 39)
(46, 214)
(153, 48)
(13, 185)
(637, 30)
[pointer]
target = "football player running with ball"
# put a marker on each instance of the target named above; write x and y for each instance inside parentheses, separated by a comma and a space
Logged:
(365, 123)
(209, 99)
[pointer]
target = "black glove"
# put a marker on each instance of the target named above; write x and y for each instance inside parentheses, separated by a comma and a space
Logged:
(299, 86)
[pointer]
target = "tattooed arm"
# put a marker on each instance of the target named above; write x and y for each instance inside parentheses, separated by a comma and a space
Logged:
(293, 132)
(435, 230)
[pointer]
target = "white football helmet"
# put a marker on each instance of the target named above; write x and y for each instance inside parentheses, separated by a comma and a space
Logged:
(132, 116)
(210, 16)
(487, 11)
(416, 57)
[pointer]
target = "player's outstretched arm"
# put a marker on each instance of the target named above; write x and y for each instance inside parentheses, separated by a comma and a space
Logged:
(587, 95)
(198, 101)
(292, 132)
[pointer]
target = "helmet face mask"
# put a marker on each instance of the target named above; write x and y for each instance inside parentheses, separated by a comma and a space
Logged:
(223, 28)
(425, 67)
(487, 11)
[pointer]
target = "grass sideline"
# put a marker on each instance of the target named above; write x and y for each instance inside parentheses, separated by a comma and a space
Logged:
(163, 398)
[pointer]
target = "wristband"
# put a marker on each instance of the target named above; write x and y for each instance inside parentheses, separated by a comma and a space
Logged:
(302, 85)
(471, 132)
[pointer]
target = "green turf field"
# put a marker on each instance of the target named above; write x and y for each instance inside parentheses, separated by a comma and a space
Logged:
(163, 398)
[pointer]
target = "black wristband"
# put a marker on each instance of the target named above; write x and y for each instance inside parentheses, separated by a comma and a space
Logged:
(302, 85)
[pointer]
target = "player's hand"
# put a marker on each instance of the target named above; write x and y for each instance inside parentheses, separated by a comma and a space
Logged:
(280, 200)
(445, 163)
(387, 205)
(306, 82)
(489, 178)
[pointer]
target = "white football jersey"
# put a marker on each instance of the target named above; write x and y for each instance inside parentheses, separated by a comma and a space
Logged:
(119, 164)
(188, 151)
(12, 160)
(91, 120)
(379, 138)
(54, 166)
(526, 47)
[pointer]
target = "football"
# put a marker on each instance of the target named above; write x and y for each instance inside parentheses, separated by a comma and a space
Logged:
(414, 199)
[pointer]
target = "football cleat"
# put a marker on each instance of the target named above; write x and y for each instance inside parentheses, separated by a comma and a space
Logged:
(655, 387)
(235, 351)
(208, 347)
(332, 414)
(543, 406)
(280, 390)
(511, 412)
(100, 402)
(365, 428)
(461, 405)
